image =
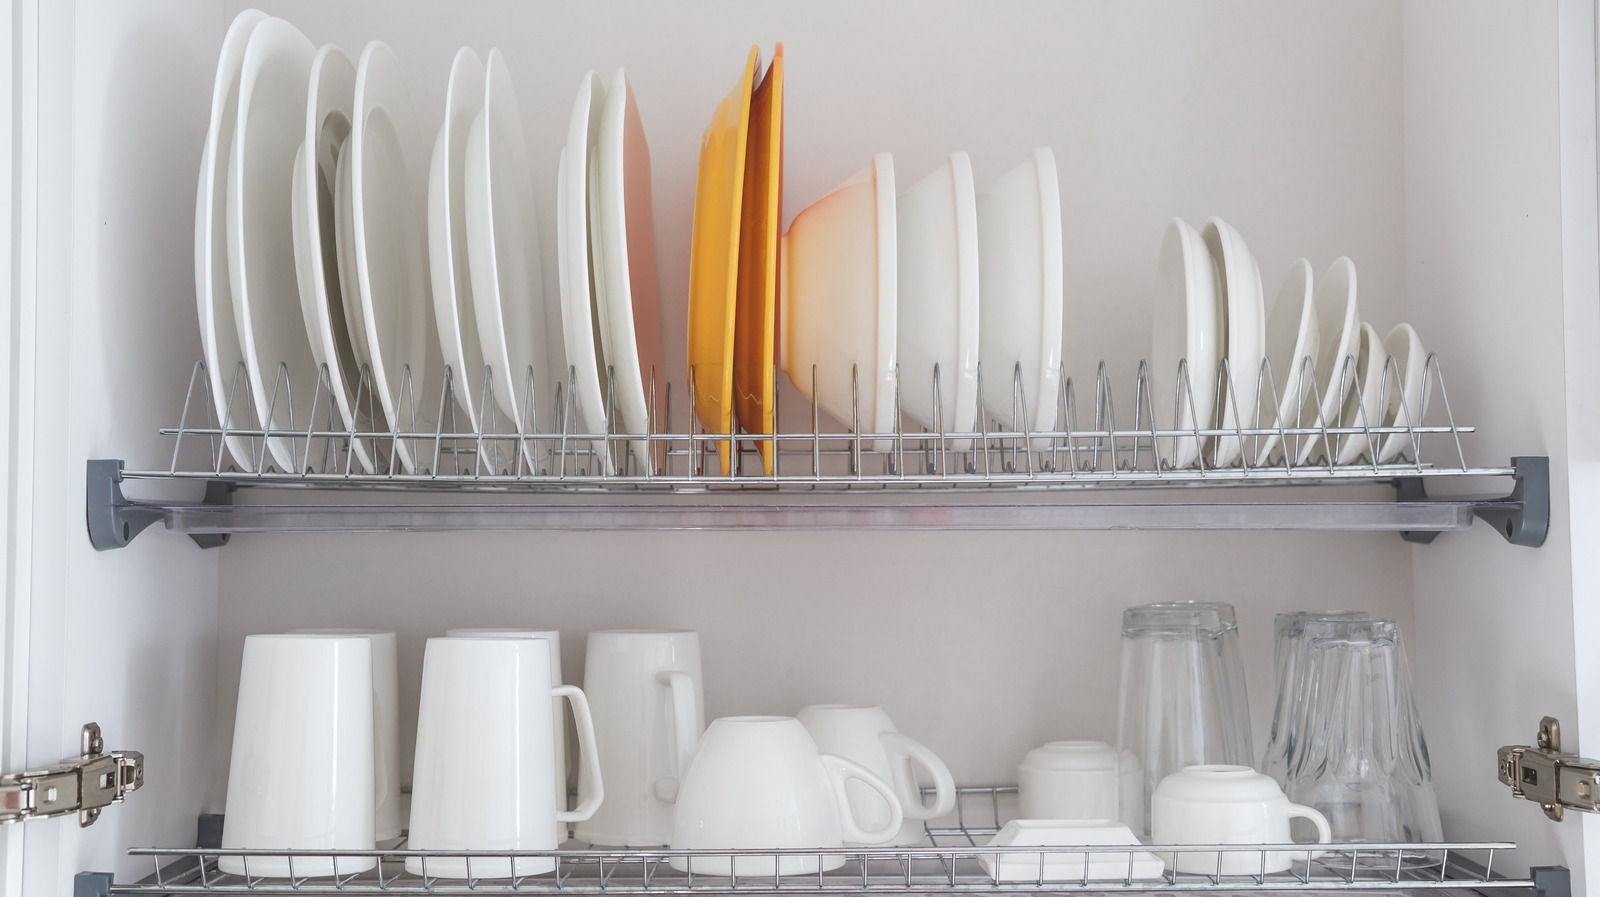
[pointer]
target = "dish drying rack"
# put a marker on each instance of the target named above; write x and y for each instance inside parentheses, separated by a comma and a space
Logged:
(952, 863)
(543, 472)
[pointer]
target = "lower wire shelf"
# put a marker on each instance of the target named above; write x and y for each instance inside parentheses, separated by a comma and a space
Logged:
(953, 860)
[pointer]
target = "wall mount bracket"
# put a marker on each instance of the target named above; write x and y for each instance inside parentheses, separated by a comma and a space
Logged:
(114, 519)
(1523, 517)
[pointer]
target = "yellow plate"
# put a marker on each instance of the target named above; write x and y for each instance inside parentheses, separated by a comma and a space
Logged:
(755, 337)
(714, 257)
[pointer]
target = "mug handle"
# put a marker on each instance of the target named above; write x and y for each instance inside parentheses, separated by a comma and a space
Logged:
(840, 771)
(686, 733)
(1324, 831)
(903, 753)
(591, 790)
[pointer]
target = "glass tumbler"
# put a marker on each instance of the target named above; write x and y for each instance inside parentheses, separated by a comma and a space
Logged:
(1288, 650)
(1356, 749)
(1181, 697)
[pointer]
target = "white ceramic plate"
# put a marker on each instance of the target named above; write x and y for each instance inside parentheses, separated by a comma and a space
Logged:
(219, 335)
(329, 107)
(580, 311)
(1019, 276)
(503, 249)
(447, 235)
(261, 271)
(1187, 326)
(839, 306)
(1111, 865)
(1247, 337)
(1405, 397)
(390, 246)
(624, 225)
(1292, 341)
(937, 220)
(1339, 326)
(1363, 407)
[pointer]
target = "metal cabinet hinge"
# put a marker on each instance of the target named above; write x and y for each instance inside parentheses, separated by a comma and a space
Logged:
(85, 784)
(1554, 780)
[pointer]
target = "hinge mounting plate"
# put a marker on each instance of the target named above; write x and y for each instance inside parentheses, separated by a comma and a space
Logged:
(1554, 780)
(85, 784)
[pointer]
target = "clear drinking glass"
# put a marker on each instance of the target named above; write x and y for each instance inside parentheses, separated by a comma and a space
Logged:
(1288, 660)
(1356, 749)
(1181, 697)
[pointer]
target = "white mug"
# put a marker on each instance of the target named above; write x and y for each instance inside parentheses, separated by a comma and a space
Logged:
(1069, 780)
(1219, 804)
(385, 725)
(759, 783)
(484, 776)
(302, 775)
(644, 689)
(562, 770)
(865, 734)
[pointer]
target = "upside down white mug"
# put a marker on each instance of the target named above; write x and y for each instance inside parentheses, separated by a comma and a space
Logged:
(1218, 804)
(759, 783)
(865, 734)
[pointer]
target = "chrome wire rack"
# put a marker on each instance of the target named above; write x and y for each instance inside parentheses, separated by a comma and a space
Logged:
(954, 860)
(659, 476)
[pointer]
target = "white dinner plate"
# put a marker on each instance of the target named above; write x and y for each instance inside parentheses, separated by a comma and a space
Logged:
(390, 246)
(261, 270)
(582, 392)
(1186, 344)
(1405, 397)
(623, 225)
(1339, 326)
(219, 334)
(1292, 341)
(1247, 337)
(1363, 407)
(839, 308)
(369, 411)
(447, 235)
(1019, 277)
(503, 250)
(329, 106)
(937, 220)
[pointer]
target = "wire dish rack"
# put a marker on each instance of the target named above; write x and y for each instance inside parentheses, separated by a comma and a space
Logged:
(1089, 445)
(955, 861)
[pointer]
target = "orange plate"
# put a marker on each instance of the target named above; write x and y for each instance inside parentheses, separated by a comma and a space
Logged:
(714, 257)
(755, 338)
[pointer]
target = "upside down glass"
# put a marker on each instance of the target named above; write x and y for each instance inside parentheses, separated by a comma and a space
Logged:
(1288, 659)
(1181, 697)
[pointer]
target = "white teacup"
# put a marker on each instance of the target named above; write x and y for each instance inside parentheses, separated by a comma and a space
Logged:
(1069, 780)
(302, 775)
(1228, 805)
(865, 734)
(484, 776)
(759, 783)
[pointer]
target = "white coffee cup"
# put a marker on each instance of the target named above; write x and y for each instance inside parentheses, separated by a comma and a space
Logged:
(759, 783)
(1227, 805)
(1069, 780)
(385, 724)
(484, 776)
(563, 770)
(644, 689)
(865, 734)
(302, 775)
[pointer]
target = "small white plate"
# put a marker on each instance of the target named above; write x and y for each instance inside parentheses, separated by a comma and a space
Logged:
(1187, 326)
(624, 224)
(261, 268)
(1247, 337)
(1363, 407)
(1292, 341)
(580, 313)
(1339, 326)
(937, 219)
(1118, 865)
(1405, 397)
(1020, 283)
(219, 334)
(447, 235)
(329, 106)
(503, 250)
